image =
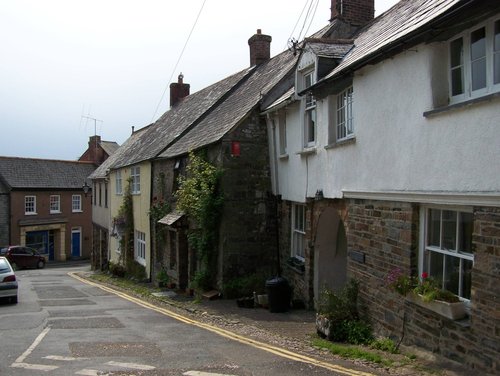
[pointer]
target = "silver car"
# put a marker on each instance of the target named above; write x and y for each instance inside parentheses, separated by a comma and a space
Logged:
(8, 282)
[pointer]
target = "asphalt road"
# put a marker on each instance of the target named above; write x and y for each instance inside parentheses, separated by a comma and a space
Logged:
(62, 326)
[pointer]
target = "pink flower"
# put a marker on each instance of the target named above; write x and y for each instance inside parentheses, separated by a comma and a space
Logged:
(425, 275)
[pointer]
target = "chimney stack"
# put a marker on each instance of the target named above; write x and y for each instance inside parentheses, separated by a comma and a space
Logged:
(260, 48)
(178, 91)
(355, 12)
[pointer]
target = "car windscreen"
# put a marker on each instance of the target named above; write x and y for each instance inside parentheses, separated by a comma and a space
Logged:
(4, 266)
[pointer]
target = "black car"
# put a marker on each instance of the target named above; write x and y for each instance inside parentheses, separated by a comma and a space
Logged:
(23, 257)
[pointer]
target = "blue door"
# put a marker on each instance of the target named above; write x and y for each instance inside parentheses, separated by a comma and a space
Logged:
(75, 243)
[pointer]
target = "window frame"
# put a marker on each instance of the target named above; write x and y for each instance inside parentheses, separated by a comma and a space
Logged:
(31, 204)
(344, 100)
(140, 247)
(310, 126)
(467, 62)
(282, 142)
(298, 231)
(135, 174)
(55, 206)
(427, 249)
(77, 208)
(118, 183)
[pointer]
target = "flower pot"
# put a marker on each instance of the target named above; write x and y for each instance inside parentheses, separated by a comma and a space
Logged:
(323, 326)
(453, 311)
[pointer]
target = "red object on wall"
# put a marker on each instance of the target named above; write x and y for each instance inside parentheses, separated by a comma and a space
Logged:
(235, 149)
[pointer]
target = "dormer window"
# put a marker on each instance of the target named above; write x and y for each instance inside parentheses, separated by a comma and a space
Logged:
(309, 111)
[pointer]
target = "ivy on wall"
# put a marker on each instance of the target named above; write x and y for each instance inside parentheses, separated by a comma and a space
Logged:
(159, 209)
(200, 197)
(124, 222)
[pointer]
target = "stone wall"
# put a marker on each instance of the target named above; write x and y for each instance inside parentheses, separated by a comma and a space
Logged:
(387, 233)
(248, 227)
(485, 315)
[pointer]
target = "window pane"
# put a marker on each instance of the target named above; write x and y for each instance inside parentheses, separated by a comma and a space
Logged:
(457, 87)
(456, 63)
(452, 274)
(436, 266)
(449, 230)
(478, 44)
(465, 232)
(311, 125)
(479, 74)
(478, 58)
(456, 52)
(434, 228)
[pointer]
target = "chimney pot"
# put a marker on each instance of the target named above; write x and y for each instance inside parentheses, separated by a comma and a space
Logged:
(178, 90)
(260, 48)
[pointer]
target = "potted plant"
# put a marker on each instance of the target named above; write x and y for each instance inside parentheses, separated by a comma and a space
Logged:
(426, 293)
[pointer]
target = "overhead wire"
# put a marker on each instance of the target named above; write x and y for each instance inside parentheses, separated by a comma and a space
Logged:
(178, 60)
(312, 18)
(306, 18)
(296, 23)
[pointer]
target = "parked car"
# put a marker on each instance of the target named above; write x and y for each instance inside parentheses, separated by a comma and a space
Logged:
(23, 257)
(8, 282)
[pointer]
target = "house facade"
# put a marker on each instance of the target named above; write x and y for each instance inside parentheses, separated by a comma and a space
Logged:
(44, 206)
(373, 158)
(223, 122)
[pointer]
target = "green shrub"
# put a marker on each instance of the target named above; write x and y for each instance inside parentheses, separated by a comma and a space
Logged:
(359, 332)
(117, 270)
(136, 271)
(385, 344)
(341, 309)
(162, 277)
(202, 280)
(244, 286)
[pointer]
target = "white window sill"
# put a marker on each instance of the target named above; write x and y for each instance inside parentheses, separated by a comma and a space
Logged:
(141, 261)
(31, 213)
(307, 151)
(343, 142)
(77, 211)
(283, 156)
(55, 212)
(466, 103)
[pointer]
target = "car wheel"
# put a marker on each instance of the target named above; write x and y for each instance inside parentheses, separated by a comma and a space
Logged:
(40, 264)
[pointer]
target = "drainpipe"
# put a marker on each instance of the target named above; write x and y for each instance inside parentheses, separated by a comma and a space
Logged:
(277, 196)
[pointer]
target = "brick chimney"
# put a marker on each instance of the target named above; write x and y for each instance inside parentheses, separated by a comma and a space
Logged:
(260, 48)
(355, 12)
(178, 90)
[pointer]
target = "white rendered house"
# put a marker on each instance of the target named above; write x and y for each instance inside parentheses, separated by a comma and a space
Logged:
(385, 155)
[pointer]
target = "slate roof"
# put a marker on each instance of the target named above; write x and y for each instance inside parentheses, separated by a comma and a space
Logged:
(390, 28)
(174, 122)
(102, 171)
(28, 173)
(109, 146)
(330, 50)
(236, 106)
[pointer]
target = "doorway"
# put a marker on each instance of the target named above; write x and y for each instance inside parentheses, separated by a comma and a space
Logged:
(76, 242)
(330, 252)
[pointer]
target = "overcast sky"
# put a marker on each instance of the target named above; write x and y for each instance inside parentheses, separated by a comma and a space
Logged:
(113, 59)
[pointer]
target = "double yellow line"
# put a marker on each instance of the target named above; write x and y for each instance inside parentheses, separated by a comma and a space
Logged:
(227, 334)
